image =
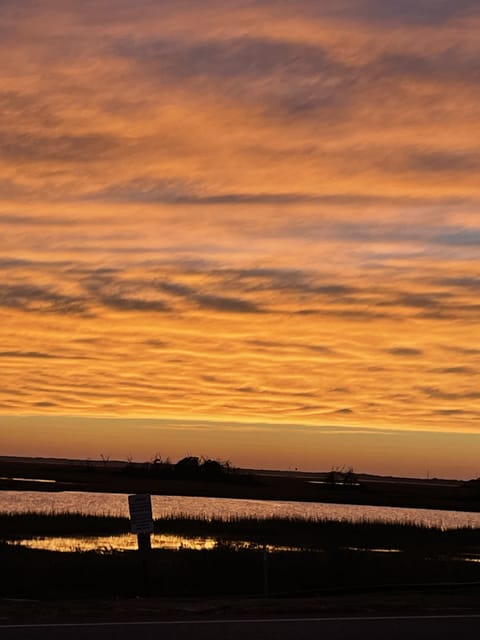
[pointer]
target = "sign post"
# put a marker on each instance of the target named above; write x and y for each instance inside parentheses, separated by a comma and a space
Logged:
(265, 570)
(141, 520)
(141, 523)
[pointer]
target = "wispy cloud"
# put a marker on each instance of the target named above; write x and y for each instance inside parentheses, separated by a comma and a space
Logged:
(255, 211)
(405, 352)
(25, 354)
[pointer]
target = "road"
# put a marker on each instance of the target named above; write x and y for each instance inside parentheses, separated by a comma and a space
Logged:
(378, 628)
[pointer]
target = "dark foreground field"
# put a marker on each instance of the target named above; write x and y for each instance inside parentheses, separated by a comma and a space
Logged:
(311, 568)
(304, 558)
(257, 567)
(219, 572)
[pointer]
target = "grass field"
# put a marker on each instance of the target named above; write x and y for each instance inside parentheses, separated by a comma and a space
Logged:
(334, 556)
(309, 534)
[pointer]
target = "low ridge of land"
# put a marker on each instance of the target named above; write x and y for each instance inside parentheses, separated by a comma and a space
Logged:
(39, 474)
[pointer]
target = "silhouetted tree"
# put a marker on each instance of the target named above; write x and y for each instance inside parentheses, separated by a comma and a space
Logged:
(350, 477)
(188, 467)
(157, 459)
(212, 469)
(332, 477)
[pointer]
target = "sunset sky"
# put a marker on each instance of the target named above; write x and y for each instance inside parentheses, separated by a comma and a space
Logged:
(243, 229)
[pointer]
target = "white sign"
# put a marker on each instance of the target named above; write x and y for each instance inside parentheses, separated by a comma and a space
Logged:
(141, 520)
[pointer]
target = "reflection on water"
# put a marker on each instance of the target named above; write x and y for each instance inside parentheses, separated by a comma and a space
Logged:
(369, 550)
(128, 542)
(107, 544)
(227, 508)
(29, 480)
(469, 558)
(337, 483)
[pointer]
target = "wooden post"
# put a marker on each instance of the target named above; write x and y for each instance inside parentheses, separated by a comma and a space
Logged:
(142, 524)
(144, 542)
(144, 549)
(265, 570)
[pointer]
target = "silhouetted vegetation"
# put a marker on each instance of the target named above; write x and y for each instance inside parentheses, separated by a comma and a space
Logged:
(341, 476)
(324, 555)
(221, 571)
(30, 524)
(324, 534)
(187, 468)
(287, 532)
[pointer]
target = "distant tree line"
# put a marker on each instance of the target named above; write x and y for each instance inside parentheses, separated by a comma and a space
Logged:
(341, 476)
(187, 468)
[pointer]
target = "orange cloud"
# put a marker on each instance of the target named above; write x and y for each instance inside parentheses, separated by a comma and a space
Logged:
(272, 218)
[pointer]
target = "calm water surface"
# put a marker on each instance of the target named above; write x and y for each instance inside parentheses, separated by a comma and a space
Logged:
(116, 504)
(128, 542)
(106, 544)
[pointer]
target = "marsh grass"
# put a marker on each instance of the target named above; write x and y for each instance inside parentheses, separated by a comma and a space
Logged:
(327, 535)
(322, 533)
(329, 560)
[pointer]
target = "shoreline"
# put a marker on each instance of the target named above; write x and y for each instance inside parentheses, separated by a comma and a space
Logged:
(124, 478)
(341, 496)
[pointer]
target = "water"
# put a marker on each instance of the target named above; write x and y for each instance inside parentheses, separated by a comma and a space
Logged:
(128, 542)
(107, 544)
(28, 480)
(225, 508)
